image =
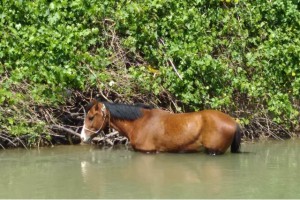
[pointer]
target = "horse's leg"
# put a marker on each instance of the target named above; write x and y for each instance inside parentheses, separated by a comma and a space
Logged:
(215, 143)
(194, 147)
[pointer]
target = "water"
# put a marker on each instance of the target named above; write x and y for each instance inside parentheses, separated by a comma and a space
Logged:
(269, 170)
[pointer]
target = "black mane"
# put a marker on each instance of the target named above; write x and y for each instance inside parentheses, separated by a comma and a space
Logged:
(88, 107)
(124, 111)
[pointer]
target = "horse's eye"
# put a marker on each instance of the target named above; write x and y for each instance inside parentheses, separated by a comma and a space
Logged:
(91, 118)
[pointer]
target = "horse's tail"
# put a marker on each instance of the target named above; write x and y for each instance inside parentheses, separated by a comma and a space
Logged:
(236, 142)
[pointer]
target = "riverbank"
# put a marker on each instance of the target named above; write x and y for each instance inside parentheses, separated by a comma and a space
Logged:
(239, 57)
(50, 126)
(61, 126)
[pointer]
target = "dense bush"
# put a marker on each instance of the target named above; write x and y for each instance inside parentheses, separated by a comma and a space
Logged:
(238, 56)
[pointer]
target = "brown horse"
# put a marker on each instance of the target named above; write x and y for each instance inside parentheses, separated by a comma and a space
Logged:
(155, 130)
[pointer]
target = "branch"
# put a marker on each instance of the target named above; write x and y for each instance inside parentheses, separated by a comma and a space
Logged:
(6, 138)
(100, 91)
(55, 126)
(20, 140)
(170, 61)
(111, 134)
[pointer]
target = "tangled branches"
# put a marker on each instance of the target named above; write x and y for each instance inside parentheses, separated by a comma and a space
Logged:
(30, 125)
(261, 126)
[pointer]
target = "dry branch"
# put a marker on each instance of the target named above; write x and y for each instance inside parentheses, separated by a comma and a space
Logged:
(59, 127)
(170, 60)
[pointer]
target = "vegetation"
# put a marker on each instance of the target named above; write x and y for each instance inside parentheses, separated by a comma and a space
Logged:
(241, 57)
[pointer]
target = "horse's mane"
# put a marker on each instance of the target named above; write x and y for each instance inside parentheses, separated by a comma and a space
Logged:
(124, 111)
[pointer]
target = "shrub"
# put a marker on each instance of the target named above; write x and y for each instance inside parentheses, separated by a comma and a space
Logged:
(236, 56)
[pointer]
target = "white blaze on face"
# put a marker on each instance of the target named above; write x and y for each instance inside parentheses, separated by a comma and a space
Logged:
(84, 137)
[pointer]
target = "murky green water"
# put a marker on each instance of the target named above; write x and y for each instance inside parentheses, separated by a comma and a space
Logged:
(270, 170)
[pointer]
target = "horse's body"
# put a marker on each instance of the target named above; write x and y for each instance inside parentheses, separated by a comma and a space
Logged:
(152, 130)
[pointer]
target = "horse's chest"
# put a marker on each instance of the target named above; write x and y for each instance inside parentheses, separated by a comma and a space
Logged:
(143, 140)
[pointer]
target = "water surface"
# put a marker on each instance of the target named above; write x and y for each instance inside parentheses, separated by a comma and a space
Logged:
(270, 170)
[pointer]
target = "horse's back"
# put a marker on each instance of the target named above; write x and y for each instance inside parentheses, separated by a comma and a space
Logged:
(217, 115)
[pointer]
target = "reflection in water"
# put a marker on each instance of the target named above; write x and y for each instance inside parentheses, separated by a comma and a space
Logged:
(127, 174)
(149, 175)
(270, 170)
(84, 170)
(138, 175)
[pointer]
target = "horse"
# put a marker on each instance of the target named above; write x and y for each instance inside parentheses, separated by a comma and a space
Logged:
(155, 130)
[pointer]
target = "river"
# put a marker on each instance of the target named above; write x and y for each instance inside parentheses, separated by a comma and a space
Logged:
(269, 169)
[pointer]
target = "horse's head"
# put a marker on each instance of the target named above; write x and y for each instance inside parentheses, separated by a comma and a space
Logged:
(95, 121)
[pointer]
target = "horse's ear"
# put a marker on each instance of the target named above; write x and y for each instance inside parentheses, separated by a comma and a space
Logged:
(95, 103)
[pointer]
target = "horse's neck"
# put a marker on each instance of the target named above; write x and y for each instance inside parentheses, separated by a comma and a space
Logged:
(129, 128)
(124, 127)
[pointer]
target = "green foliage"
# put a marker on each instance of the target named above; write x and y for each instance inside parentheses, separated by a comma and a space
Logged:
(223, 50)
(49, 45)
(231, 55)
